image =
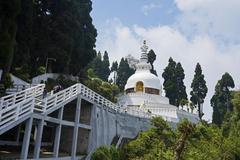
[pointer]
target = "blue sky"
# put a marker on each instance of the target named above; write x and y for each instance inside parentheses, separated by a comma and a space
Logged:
(190, 31)
(135, 11)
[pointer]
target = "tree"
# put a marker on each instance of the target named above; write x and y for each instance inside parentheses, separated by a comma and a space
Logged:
(154, 143)
(58, 29)
(81, 34)
(124, 72)
(183, 102)
(100, 66)
(106, 153)
(9, 11)
(189, 141)
(151, 58)
(221, 99)
(114, 66)
(105, 71)
(181, 88)
(191, 105)
(107, 90)
(199, 89)
(114, 69)
(31, 31)
(169, 83)
(21, 58)
(173, 82)
(236, 102)
(96, 65)
(185, 130)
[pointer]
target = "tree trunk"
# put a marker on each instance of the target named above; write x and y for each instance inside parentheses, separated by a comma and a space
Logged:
(180, 148)
(199, 111)
(9, 45)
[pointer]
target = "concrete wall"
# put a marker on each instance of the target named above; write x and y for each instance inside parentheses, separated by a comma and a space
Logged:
(106, 124)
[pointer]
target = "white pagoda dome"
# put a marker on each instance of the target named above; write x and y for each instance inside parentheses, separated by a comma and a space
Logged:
(143, 94)
(143, 80)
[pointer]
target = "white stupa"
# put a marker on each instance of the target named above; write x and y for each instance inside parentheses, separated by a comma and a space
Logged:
(143, 93)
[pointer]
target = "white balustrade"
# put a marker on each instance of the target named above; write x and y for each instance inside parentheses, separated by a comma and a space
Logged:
(12, 113)
(13, 99)
(18, 105)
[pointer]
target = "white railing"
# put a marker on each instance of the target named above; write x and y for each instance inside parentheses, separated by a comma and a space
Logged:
(52, 101)
(10, 100)
(12, 114)
(17, 88)
(95, 97)
(18, 105)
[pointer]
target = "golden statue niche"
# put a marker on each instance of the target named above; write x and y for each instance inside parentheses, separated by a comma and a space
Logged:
(139, 86)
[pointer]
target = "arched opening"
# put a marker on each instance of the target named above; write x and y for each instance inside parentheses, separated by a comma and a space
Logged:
(139, 86)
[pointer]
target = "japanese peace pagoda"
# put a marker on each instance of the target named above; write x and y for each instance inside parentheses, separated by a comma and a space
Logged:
(143, 93)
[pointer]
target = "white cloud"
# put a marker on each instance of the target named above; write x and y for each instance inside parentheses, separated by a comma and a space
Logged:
(117, 39)
(219, 19)
(189, 5)
(149, 7)
(167, 41)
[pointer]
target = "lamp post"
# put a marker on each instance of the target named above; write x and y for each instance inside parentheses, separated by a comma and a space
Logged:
(46, 66)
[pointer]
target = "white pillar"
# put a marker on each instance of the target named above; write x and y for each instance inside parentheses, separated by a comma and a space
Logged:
(75, 131)
(26, 139)
(103, 126)
(37, 145)
(58, 134)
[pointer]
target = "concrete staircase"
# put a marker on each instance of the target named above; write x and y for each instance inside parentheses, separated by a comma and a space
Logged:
(17, 107)
(29, 104)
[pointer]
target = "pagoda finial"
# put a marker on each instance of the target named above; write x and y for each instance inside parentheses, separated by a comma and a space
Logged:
(144, 49)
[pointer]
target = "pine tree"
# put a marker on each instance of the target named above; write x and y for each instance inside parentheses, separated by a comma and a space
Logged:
(114, 69)
(181, 88)
(96, 65)
(151, 59)
(221, 100)
(114, 66)
(124, 72)
(173, 82)
(199, 89)
(169, 84)
(9, 11)
(58, 29)
(105, 71)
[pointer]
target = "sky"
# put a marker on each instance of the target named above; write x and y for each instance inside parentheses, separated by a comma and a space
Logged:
(189, 31)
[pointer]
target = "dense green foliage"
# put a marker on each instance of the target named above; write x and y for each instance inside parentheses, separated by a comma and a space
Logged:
(199, 89)
(31, 31)
(9, 11)
(105, 67)
(181, 88)
(173, 82)
(123, 73)
(62, 80)
(107, 90)
(188, 141)
(221, 99)
(151, 59)
(100, 66)
(106, 153)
